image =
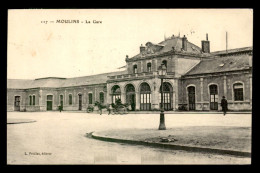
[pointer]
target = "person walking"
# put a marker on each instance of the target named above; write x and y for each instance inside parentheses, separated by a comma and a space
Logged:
(224, 105)
(60, 108)
(109, 109)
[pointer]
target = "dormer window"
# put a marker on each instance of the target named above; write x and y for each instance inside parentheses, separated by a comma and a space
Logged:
(135, 69)
(149, 67)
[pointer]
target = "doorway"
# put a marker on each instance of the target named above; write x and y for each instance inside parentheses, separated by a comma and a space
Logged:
(191, 97)
(61, 101)
(80, 102)
(145, 100)
(49, 102)
(131, 101)
(130, 96)
(17, 103)
(116, 93)
(167, 96)
(213, 90)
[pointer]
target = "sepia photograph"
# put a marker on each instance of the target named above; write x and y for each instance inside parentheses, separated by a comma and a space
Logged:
(129, 86)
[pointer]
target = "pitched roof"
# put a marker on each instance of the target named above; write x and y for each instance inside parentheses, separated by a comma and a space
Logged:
(229, 51)
(166, 46)
(222, 64)
(60, 82)
(90, 80)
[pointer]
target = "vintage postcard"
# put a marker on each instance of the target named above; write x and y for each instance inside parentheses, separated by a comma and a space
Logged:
(129, 86)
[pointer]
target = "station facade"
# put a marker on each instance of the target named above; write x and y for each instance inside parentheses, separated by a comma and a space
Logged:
(196, 79)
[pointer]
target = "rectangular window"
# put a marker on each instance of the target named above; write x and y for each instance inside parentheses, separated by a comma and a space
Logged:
(30, 102)
(34, 100)
(70, 99)
(90, 98)
(238, 94)
(61, 100)
(101, 95)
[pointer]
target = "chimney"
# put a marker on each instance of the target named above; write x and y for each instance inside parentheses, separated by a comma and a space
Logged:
(184, 43)
(205, 45)
(142, 48)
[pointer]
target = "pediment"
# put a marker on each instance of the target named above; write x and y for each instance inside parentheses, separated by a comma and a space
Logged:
(152, 47)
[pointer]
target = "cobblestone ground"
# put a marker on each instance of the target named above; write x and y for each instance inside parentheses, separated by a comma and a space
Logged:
(60, 138)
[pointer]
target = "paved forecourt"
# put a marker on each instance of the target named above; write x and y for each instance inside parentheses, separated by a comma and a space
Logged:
(63, 135)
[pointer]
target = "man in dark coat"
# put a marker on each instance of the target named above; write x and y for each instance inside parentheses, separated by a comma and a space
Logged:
(224, 105)
(60, 108)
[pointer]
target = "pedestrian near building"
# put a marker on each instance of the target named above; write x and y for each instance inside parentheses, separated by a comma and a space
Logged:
(224, 105)
(100, 109)
(60, 108)
(109, 109)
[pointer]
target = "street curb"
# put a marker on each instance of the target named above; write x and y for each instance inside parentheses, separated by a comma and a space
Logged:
(169, 112)
(158, 112)
(22, 122)
(172, 146)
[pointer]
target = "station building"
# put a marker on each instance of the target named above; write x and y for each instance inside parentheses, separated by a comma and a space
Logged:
(196, 79)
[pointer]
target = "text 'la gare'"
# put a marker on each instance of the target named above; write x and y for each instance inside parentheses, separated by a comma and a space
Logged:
(94, 21)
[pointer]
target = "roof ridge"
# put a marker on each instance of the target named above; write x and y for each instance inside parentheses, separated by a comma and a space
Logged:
(251, 47)
(98, 74)
(21, 79)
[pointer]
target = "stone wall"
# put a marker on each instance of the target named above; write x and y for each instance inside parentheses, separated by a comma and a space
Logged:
(11, 93)
(224, 84)
(154, 84)
(41, 97)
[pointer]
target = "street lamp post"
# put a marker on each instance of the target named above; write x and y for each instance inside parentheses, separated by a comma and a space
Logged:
(162, 73)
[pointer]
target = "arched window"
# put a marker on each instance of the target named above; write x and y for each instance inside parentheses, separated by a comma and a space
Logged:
(33, 100)
(90, 98)
(130, 96)
(167, 96)
(30, 98)
(135, 68)
(145, 94)
(70, 99)
(116, 93)
(165, 63)
(101, 97)
(238, 92)
(213, 91)
(149, 67)
(191, 97)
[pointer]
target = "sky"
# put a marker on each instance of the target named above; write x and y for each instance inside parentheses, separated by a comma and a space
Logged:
(37, 49)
